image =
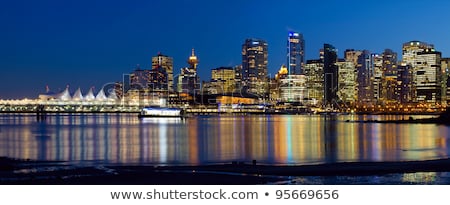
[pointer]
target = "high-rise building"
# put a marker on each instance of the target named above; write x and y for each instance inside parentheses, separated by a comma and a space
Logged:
(330, 70)
(166, 63)
(426, 76)
(314, 81)
(346, 83)
(376, 66)
(254, 66)
(445, 69)
(295, 53)
(222, 80)
(364, 75)
(410, 50)
(405, 84)
(188, 80)
(389, 92)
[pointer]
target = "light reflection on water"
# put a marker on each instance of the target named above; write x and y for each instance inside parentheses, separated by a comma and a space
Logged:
(271, 139)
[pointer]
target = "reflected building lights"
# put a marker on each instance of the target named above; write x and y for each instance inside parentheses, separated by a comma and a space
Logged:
(267, 139)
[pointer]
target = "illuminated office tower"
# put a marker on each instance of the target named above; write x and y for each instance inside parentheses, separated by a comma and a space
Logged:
(389, 77)
(314, 81)
(376, 65)
(405, 84)
(254, 66)
(164, 62)
(425, 63)
(410, 50)
(346, 82)
(445, 69)
(222, 79)
(295, 53)
(293, 88)
(330, 70)
(428, 77)
(188, 80)
(364, 75)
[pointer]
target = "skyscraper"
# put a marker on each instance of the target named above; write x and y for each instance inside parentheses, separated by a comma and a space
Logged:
(166, 63)
(254, 66)
(295, 53)
(445, 69)
(389, 77)
(188, 80)
(314, 81)
(330, 70)
(404, 83)
(426, 76)
(346, 82)
(364, 74)
(376, 69)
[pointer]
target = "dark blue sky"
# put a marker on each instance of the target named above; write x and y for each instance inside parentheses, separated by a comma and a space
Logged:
(90, 43)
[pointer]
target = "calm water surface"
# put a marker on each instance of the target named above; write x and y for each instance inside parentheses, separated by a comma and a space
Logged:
(271, 139)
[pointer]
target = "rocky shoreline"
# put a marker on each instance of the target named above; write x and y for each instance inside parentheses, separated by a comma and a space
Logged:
(22, 172)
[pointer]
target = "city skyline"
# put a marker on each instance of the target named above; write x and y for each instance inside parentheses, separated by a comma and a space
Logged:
(90, 44)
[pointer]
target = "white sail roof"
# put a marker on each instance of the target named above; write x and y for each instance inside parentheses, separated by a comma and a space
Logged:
(65, 95)
(78, 96)
(101, 95)
(90, 96)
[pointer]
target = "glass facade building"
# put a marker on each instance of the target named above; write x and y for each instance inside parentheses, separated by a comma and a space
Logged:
(295, 53)
(254, 66)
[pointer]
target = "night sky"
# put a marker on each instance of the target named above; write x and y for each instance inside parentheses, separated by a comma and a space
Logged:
(89, 43)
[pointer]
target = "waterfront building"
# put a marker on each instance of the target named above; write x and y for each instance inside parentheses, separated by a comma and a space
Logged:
(295, 53)
(223, 80)
(293, 88)
(90, 95)
(77, 96)
(330, 70)
(254, 66)
(275, 83)
(346, 83)
(314, 82)
(389, 92)
(165, 63)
